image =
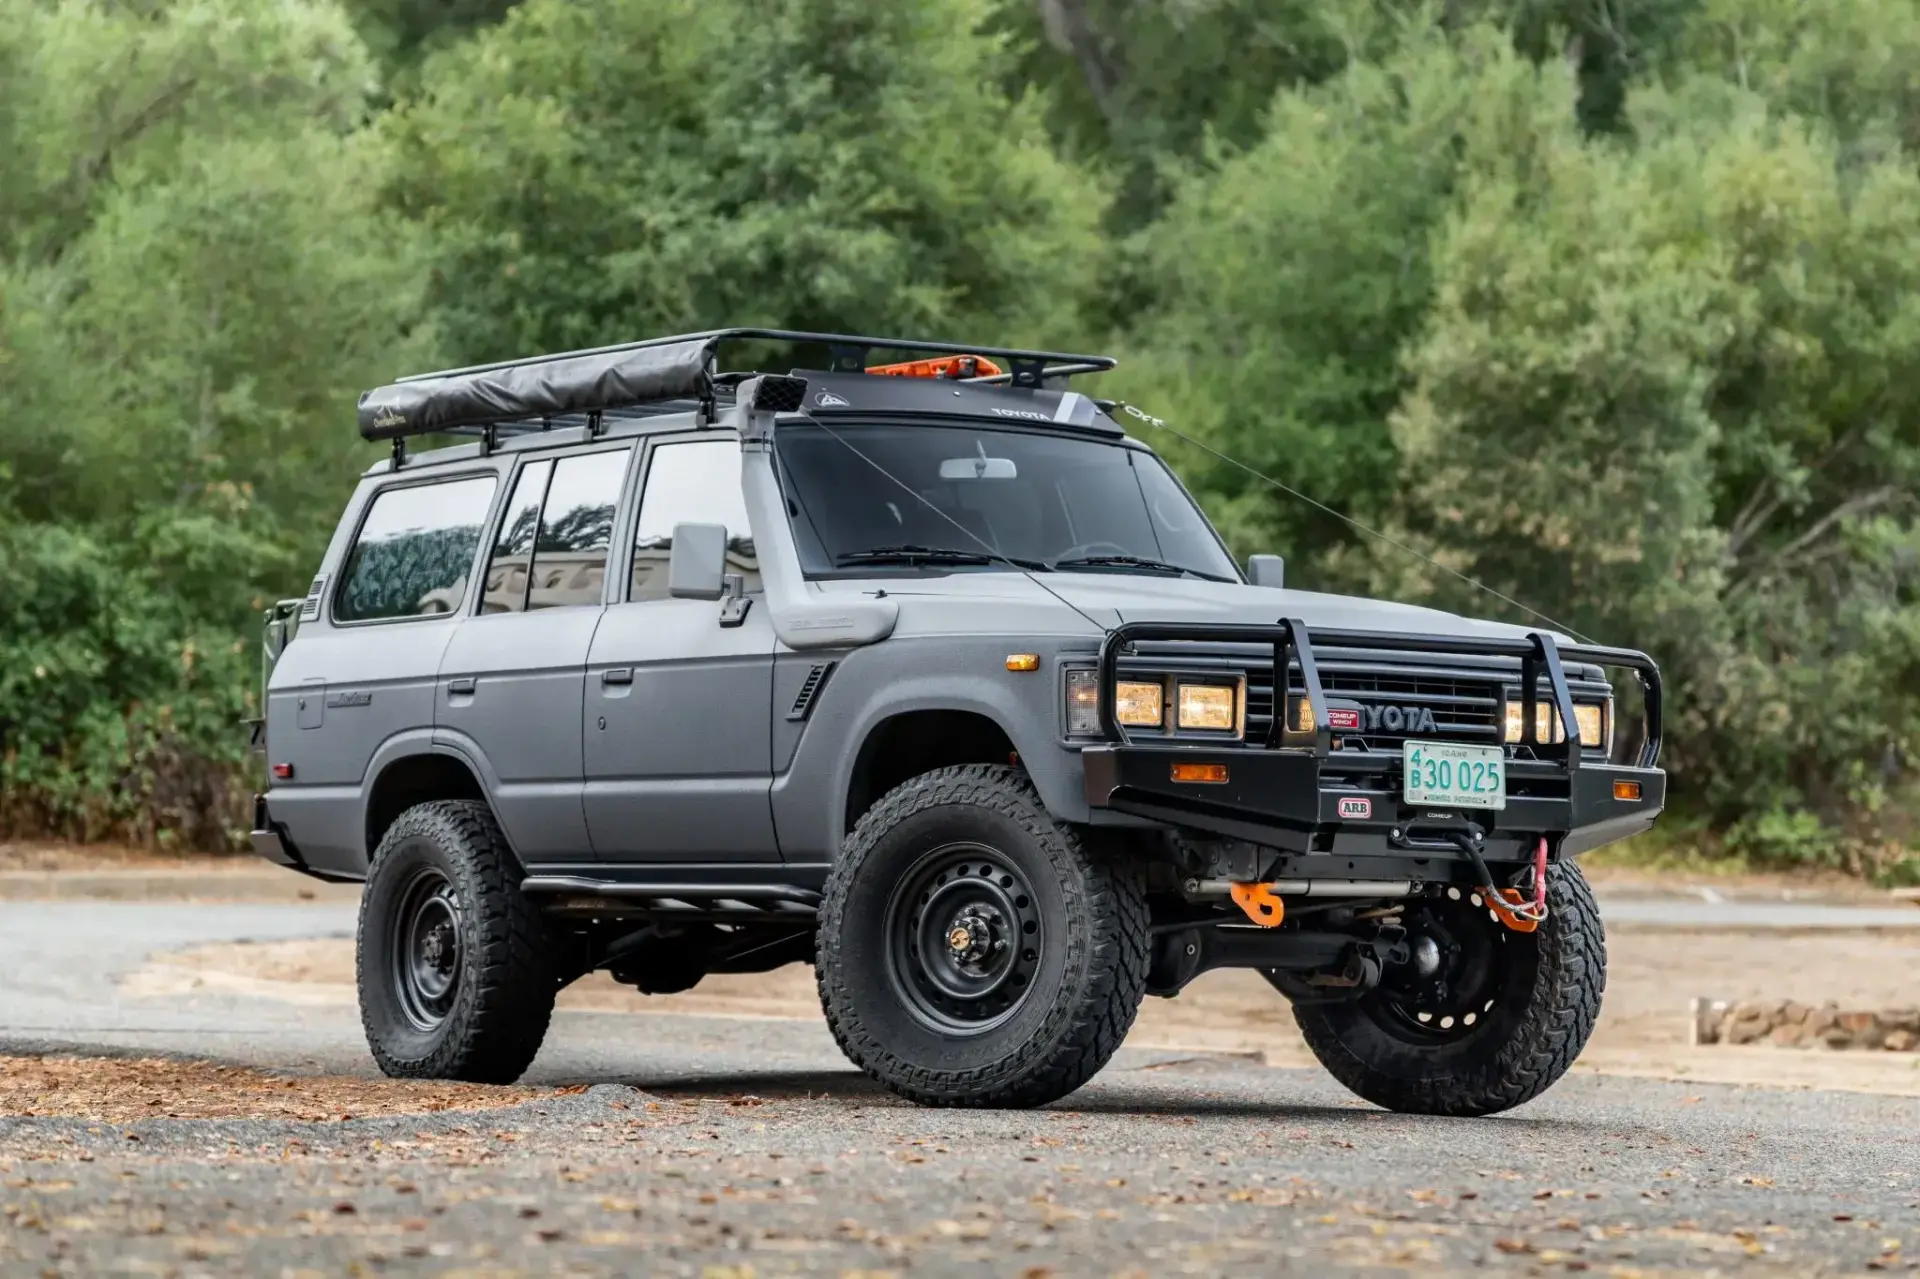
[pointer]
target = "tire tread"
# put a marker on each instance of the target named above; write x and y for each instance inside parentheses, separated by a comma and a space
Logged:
(1556, 1024)
(510, 983)
(1049, 1066)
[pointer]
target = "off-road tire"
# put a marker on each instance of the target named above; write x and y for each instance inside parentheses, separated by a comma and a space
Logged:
(1525, 1044)
(1090, 973)
(503, 993)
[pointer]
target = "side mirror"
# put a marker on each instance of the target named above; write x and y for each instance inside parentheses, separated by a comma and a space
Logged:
(697, 565)
(1266, 570)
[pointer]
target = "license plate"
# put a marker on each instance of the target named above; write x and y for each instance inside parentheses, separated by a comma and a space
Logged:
(1451, 775)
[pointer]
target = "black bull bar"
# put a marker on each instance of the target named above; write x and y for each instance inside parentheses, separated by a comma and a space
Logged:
(1294, 792)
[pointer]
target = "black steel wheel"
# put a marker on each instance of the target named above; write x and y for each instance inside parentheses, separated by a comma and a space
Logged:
(1461, 963)
(1481, 1018)
(426, 962)
(974, 952)
(966, 936)
(456, 968)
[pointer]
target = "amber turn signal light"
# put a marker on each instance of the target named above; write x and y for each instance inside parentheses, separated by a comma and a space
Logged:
(1023, 661)
(1626, 790)
(1199, 772)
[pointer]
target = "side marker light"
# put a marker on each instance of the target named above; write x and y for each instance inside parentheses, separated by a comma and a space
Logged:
(1626, 790)
(1023, 661)
(1200, 772)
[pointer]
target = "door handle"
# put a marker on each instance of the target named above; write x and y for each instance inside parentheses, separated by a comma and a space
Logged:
(617, 675)
(464, 685)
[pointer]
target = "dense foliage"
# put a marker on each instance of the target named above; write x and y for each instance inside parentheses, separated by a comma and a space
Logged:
(1612, 308)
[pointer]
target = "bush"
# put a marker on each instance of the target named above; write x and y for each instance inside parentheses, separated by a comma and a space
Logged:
(119, 714)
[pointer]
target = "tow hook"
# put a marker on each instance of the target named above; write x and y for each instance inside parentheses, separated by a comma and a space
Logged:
(1261, 904)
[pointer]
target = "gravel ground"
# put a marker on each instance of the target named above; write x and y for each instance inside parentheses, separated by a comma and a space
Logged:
(722, 1147)
(1207, 1166)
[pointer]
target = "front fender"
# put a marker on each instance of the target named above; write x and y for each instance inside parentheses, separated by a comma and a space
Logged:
(938, 673)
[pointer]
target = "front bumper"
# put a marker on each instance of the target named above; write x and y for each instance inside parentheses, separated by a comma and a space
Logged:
(1291, 800)
(1295, 793)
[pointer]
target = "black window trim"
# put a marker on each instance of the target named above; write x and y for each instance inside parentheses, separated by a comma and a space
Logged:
(485, 546)
(637, 482)
(539, 514)
(632, 445)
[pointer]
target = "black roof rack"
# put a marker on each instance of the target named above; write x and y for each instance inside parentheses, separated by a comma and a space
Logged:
(630, 374)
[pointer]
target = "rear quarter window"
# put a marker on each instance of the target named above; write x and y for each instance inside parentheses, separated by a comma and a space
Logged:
(414, 550)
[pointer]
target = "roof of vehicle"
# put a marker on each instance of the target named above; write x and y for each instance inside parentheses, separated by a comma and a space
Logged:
(675, 373)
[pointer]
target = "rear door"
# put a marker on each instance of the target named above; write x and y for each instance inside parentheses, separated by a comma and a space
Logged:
(511, 683)
(679, 707)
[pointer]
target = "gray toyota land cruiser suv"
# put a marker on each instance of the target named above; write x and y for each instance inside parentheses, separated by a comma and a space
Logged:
(929, 675)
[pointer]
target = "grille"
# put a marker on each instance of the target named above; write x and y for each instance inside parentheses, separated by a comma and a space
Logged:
(1465, 696)
(1467, 703)
(1465, 708)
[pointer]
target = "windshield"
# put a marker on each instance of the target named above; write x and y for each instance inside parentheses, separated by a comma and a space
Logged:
(968, 494)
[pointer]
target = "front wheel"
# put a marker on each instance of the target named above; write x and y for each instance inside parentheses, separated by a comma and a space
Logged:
(972, 951)
(1482, 1018)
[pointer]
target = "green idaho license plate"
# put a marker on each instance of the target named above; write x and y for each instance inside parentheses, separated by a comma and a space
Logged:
(1450, 775)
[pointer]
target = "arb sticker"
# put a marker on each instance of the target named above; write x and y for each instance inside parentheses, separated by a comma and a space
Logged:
(1358, 808)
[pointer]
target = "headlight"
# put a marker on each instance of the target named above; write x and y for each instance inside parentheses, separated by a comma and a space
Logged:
(1139, 704)
(1205, 705)
(1592, 718)
(1213, 707)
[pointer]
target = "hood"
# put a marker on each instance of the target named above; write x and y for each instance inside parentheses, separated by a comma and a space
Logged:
(976, 602)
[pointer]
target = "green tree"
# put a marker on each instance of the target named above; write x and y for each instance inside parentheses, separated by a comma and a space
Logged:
(599, 170)
(1140, 85)
(1669, 391)
(402, 31)
(1289, 276)
(197, 276)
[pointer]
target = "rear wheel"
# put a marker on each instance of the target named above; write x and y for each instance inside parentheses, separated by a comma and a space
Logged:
(455, 966)
(972, 951)
(1482, 1018)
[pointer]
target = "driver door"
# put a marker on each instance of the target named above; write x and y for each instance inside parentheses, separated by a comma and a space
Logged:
(679, 723)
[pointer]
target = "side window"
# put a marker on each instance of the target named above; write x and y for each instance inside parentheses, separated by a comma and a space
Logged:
(414, 551)
(576, 530)
(696, 482)
(507, 571)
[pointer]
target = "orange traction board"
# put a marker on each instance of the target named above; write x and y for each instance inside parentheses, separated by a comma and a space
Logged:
(947, 366)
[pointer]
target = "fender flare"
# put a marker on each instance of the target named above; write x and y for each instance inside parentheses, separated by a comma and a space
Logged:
(413, 743)
(1047, 764)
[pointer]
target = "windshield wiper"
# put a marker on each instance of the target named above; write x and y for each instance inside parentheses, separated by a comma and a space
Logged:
(1135, 561)
(914, 554)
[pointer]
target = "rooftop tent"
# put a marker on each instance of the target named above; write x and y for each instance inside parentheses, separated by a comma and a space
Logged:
(514, 392)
